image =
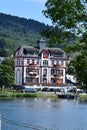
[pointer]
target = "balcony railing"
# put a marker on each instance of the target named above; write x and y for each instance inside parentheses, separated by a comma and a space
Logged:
(57, 75)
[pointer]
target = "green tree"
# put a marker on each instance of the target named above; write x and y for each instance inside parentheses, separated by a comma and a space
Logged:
(2, 43)
(66, 14)
(70, 16)
(78, 67)
(6, 76)
(3, 52)
(9, 61)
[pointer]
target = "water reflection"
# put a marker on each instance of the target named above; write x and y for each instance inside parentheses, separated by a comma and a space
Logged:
(53, 114)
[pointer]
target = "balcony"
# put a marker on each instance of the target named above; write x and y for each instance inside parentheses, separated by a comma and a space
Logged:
(57, 65)
(33, 74)
(57, 75)
(33, 64)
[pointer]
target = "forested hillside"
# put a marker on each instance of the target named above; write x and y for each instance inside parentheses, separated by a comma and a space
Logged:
(16, 31)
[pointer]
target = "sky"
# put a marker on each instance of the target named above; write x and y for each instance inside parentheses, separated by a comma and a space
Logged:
(30, 9)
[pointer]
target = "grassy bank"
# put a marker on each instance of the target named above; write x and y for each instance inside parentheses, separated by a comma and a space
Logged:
(5, 94)
(11, 95)
(83, 97)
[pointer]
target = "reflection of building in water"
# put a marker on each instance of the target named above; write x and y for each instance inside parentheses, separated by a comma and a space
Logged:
(39, 65)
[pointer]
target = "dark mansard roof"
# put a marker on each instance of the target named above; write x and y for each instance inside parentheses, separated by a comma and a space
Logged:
(57, 52)
(30, 50)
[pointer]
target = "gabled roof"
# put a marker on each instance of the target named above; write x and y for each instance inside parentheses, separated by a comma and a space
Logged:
(55, 52)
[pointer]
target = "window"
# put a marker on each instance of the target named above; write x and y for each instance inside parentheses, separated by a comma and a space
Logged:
(27, 70)
(45, 72)
(18, 53)
(37, 80)
(27, 61)
(52, 71)
(32, 61)
(45, 63)
(31, 79)
(27, 79)
(44, 80)
(45, 55)
(38, 62)
(18, 61)
(57, 71)
(57, 54)
(37, 70)
(61, 72)
(52, 62)
(62, 63)
(53, 80)
(57, 62)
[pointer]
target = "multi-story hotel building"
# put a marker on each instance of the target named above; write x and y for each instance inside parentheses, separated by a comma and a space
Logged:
(40, 65)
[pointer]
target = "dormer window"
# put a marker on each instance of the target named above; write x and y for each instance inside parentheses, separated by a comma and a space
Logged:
(46, 54)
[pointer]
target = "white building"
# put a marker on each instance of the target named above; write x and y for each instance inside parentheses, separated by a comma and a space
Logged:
(40, 65)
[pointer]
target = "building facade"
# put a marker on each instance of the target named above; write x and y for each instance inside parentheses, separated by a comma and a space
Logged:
(40, 65)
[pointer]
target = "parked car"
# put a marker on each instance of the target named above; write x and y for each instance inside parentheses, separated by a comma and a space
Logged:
(52, 89)
(45, 89)
(18, 88)
(80, 90)
(30, 90)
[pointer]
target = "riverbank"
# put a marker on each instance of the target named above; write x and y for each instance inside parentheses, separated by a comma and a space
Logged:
(83, 97)
(6, 94)
(39, 94)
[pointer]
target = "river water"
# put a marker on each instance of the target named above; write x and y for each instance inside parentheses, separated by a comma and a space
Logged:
(43, 114)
